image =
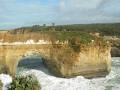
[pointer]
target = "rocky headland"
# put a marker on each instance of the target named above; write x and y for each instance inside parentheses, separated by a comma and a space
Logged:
(66, 54)
(115, 51)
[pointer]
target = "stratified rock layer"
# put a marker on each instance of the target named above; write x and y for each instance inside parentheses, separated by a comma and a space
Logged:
(92, 61)
(115, 51)
(63, 60)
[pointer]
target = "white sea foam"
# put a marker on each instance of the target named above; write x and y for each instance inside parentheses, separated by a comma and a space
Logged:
(49, 82)
(54, 83)
(6, 80)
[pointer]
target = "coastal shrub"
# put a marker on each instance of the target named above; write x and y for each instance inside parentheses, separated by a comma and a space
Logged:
(25, 83)
(83, 37)
(3, 69)
(75, 44)
(104, 29)
(1, 85)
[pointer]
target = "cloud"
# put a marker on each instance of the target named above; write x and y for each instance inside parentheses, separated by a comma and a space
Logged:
(111, 8)
(89, 11)
(80, 4)
(23, 13)
(16, 13)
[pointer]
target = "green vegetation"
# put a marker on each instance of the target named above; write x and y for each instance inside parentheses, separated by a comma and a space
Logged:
(74, 39)
(3, 31)
(77, 32)
(63, 35)
(76, 35)
(1, 85)
(25, 83)
(103, 29)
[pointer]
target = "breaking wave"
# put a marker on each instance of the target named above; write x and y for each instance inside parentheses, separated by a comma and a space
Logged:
(50, 82)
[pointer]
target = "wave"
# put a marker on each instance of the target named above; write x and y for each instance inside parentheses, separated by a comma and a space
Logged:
(49, 82)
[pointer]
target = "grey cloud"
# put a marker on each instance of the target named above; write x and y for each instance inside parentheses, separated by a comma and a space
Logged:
(80, 11)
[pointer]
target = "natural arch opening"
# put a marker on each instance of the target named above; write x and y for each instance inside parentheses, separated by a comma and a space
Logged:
(31, 62)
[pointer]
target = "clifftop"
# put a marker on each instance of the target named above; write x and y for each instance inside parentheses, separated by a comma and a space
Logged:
(75, 38)
(66, 54)
(110, 29)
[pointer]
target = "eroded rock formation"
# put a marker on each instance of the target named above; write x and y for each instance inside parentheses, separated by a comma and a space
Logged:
(91, 61)
(115, 51)
(62, 59)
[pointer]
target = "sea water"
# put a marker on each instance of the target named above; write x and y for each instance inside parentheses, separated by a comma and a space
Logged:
(50, 82)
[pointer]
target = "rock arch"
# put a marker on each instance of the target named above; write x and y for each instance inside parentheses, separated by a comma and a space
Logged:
(61, 59)
(31, 61)
(30, 56)
(13, 54)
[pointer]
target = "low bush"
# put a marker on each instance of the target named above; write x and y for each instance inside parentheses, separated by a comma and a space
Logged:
(1, 85)
(25, 83)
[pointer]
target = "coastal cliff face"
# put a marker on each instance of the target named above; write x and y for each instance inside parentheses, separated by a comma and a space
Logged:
(63, 59)
(90, 61)
(115, 44)
(115, 51)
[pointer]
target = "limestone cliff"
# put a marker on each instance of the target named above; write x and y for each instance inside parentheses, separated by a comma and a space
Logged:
(90, 61)
(115, 51)
(76, 56)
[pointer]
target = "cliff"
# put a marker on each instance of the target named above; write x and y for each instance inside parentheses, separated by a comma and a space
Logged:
(88, 61)
(65, 54)
(115, 51)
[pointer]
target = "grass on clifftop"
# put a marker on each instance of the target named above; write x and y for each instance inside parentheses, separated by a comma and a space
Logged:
(65, 35)
(51, 35)
(76, 39)
(73, 37)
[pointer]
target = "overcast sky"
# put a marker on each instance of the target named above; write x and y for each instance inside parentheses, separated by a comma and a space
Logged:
(17, 13)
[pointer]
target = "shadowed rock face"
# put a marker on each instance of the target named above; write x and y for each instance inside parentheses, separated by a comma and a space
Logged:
(62, 60)
(115, 51)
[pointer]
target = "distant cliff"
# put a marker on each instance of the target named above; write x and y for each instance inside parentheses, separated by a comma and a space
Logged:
(115, 51)
(111, 29)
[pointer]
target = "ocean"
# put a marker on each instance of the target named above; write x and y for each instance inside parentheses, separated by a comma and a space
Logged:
(50, 82)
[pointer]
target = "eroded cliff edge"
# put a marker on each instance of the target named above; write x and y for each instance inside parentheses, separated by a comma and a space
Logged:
(90, 61)
(115, 51)
(68, 54)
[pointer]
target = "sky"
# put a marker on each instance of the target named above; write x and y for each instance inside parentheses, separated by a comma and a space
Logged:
(18, 13)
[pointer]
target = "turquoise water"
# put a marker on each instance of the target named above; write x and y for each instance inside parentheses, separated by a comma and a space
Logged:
(50, 82)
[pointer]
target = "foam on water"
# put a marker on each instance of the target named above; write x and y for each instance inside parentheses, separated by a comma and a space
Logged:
(54, 83)
(49, 82)
(6, 80)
